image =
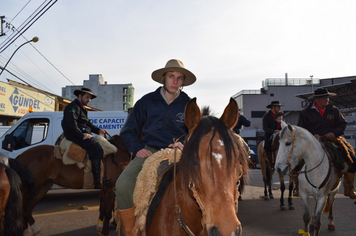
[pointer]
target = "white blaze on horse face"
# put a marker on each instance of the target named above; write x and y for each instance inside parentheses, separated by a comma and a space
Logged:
(218, 157)
(221, 142)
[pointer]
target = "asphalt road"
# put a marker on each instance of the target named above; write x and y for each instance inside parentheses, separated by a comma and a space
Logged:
(75, 212)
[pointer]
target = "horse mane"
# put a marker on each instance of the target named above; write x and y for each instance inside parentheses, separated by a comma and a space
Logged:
(14, 211)
(189, 164)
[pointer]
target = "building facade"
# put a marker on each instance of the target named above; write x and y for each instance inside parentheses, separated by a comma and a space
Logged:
(253, 103)
(111, 97)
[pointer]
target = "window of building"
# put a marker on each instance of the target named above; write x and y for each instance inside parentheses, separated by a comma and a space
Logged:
(257, 114)
(124, 91)
(125, 107)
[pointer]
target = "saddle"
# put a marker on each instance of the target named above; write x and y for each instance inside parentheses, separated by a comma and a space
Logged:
(340, 152)
(70, 153)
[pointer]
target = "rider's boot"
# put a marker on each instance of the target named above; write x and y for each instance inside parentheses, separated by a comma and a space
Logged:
(349, 180)
(95, 169)
(128, 221)
(270, 159)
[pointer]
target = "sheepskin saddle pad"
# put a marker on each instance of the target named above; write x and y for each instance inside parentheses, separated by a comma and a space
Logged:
(148, 181)
(73, 153)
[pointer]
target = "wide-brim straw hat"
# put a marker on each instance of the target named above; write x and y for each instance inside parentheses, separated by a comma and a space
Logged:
(84, 90)
(177, 66)
(321, 93)
(274, 103)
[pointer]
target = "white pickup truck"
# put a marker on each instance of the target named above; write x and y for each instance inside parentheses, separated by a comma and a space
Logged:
(38, 128)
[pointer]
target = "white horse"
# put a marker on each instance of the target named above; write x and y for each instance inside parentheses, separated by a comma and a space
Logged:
(317, 177)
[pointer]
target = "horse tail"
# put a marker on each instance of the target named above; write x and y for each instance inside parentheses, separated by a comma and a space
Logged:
(326, 208)
(13, 224)
(25, 176)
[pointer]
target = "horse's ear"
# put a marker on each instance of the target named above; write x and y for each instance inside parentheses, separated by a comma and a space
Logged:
(283, 124)
(192, 115)
(290, 127)
(231, 114)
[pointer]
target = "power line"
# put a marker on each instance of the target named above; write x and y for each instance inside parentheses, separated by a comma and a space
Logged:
(14, 29)
(22, 30)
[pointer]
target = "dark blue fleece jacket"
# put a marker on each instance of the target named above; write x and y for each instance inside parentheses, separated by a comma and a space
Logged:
(158, 121)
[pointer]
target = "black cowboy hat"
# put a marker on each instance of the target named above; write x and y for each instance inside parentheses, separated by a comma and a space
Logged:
(84, 90)
(321, 93)
(274, 103)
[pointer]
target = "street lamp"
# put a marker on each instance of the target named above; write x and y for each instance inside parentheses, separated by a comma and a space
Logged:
(35, 39)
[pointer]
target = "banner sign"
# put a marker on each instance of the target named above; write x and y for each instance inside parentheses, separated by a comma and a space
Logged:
(16, 101)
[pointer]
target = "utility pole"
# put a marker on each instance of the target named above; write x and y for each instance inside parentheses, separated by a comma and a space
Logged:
(1, 28)
(311, 77)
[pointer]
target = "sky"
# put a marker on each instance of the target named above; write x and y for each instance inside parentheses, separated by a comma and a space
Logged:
(230, 45)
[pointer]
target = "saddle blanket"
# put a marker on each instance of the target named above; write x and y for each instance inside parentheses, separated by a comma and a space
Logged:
(147, 183)
(73, 154)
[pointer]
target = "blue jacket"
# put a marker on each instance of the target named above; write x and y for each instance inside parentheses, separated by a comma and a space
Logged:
(158, 121)
(243, 121)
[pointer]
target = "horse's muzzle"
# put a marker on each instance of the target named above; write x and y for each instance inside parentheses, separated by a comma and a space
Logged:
(214, 231)
(282, 169)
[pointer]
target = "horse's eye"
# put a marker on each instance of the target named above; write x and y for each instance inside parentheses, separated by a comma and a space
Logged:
(288, 143)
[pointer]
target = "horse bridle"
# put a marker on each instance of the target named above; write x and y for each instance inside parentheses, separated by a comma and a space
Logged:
(307, 171)
(191, 186)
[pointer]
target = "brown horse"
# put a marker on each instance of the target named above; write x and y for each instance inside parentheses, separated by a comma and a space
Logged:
(10, 202)
(267, 174)
(203, 195)
(48, 170)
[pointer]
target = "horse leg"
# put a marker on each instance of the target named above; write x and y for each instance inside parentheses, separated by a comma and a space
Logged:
(318, 209)
(330, 204)
(290, 195)
(306, 214)
(107, 199)
(283, 188)
(265, 192)
(28, 208)
(269, 174)
(270, 190)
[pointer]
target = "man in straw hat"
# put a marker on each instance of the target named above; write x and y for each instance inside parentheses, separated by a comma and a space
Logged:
(160, 117)
(323, 119)
(270, 125)
(78, 128)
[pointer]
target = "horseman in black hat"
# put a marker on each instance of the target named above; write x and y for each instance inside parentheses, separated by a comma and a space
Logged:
(270, 127)
(325, 120)
(78, 128)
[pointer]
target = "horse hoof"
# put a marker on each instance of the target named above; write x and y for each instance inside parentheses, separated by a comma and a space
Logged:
(331, 227)
(271, 197)
(266, 198)
(291, 207)
(283, 208)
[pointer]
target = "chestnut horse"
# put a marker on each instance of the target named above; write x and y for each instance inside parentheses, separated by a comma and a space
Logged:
(48, 170)
(267, 174)
(203, 196)
(10, 202)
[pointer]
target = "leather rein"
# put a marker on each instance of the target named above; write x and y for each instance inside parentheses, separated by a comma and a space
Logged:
(299, 166)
